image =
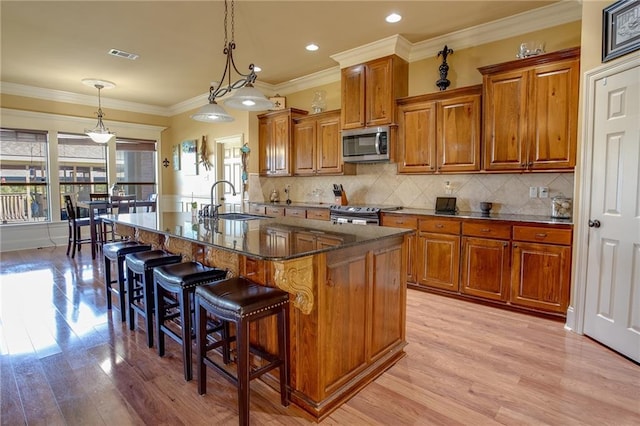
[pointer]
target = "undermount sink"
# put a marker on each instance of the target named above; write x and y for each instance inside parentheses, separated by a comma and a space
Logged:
(239, 216)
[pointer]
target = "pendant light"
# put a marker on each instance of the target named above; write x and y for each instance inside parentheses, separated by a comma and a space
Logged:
(246, 98)
(100, 133)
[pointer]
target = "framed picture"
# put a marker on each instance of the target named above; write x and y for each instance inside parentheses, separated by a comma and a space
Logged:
(176, 157)
(278, 102)
(189, 157)
(620, 29)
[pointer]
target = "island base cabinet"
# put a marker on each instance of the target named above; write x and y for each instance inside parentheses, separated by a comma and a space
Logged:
(541, 276)
(485, 268)
(354, 329)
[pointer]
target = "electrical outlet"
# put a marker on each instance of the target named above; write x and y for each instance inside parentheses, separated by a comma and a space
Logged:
(533, 192)
(543, 192)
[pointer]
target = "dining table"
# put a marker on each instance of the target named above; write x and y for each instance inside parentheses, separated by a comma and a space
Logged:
(99, 207)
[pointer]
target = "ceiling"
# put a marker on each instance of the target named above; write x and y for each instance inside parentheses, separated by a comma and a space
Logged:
(56, 44)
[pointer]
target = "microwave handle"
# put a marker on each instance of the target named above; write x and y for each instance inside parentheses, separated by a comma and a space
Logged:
(377, 143)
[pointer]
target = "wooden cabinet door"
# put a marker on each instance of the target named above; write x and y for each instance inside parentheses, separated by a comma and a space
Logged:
(438, 260)
(328, 145)
(505, 120)
(458, 134)
(353, 97)
(379, 99)
(553, 116)
(485, 268)
(417, 138)
(265, 148)
(541, 276)
(304, 146)
(281, 145)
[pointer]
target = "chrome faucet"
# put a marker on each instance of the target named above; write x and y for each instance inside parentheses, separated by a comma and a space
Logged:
(214, 206)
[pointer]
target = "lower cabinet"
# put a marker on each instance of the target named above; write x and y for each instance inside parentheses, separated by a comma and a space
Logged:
(520, 264)
(438, 253)
(485, 268)
(541, 271)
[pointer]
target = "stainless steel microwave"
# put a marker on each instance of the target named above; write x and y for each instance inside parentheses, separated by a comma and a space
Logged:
(368, 145)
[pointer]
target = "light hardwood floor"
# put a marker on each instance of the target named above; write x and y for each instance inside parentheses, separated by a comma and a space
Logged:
(65, 360)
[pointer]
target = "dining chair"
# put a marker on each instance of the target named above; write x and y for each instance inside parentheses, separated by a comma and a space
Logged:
(76, 223)
(101, 227)
(121, 204)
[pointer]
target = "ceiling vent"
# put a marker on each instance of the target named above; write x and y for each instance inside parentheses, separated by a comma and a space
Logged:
(123, 54)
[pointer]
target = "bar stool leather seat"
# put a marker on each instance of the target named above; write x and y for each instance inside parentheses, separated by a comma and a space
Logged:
(241, 301)
(179, 281)
(116, 252)
(140, 267)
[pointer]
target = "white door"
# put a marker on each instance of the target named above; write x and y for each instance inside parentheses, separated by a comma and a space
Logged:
(612, 298)
(230, 168)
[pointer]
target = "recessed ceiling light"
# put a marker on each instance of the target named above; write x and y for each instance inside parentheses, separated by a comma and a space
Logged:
(393, 18)
(312, 47)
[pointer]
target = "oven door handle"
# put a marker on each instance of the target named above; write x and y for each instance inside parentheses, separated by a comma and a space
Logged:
(377, 145)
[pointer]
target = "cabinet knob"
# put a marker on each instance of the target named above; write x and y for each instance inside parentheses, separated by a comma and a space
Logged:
(505, 244)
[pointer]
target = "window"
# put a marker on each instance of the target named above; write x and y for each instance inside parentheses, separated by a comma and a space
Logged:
(82, 167)
(136, 167)
(24, 191)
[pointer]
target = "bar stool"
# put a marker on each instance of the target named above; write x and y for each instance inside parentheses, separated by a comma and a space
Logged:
(180, 280)
(115, 252)
(140, 267)
(240, 301)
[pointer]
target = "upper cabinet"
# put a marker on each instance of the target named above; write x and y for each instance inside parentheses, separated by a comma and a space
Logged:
(317, 147)
(275, 135)
(530, 109)
(369, 92)
(440, 132)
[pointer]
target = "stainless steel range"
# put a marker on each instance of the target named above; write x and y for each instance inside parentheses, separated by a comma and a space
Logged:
(358, 215)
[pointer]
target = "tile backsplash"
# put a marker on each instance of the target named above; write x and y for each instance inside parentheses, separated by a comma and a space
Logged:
(379, 184)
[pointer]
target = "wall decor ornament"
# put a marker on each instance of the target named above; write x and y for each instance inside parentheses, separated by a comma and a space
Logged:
(204, 154)
(176, 157)
(189, 157)
(620, 29)
(443, 83)
(244, 153)
(279, 102)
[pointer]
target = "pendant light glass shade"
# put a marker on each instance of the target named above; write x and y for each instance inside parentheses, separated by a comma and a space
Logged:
(100, 135)
(249, 99)
(212, 113)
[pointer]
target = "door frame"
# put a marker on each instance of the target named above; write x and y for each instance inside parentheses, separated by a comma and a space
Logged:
(576, 311)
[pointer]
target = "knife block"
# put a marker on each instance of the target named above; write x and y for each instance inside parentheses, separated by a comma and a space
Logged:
(341, 200)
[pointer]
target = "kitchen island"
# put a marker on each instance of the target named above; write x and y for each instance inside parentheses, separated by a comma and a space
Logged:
(346, 282)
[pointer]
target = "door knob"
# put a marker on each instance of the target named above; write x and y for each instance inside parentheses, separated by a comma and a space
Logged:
(594, 223)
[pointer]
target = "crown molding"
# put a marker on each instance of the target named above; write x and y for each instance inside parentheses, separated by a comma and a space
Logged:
(512, 26)
(79, 99)
(545, 17)
(393, 45)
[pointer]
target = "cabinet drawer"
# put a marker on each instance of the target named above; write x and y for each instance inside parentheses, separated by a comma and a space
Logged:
(295, 212)
(486, 229)
(539, 234)
(275, 211)
(257, 209)
(319, 214)
(400, 221)
(440, 226)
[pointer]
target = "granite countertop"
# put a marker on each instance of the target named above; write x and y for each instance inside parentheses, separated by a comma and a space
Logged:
(430, 212)
(264, 238)
(492, 216)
